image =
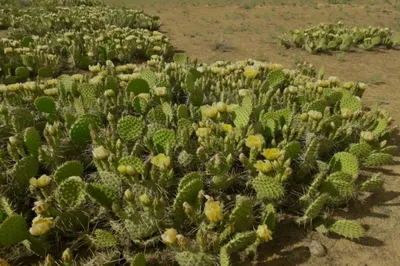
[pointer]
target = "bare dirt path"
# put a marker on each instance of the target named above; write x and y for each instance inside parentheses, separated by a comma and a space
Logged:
(235, 30)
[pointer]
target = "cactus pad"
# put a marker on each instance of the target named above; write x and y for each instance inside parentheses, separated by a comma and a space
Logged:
(45, 104)
(32, 140)
(102, 195)
(378, 159)
(71, 192)
(348, 229)
(13, 230)
(25, 169)
(361, 150)
(103, 239)
(372, 184)
(138, 86)
(130, 127)
(164, 140)
(188, 190)
(267, 188)
(276, 78)
(185, 258)
(351, 103)
(344, 162)
(80, 130)
(133, 161)
(71, 168)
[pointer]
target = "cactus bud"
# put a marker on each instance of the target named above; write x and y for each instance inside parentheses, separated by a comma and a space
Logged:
(49, 261)
(304, 117)
(130, 170)
(222, 107)
(145, 200)
(229, 159)
(182, 240)
(122, 169)
(67, 255)
(169, 236)
(346, 113)
(109, 93)
(129, 196)
(187, 207)
(243, 159)
(161, 91)
(13, 141)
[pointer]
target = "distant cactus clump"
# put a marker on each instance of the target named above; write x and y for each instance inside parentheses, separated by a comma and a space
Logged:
(324, 38)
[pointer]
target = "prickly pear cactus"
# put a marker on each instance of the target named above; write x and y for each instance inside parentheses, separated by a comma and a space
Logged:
(197, 162)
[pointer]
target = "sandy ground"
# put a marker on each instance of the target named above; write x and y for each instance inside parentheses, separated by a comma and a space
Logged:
(235, 30)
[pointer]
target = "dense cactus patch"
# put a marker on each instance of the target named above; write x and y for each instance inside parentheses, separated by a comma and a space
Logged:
(175, 161)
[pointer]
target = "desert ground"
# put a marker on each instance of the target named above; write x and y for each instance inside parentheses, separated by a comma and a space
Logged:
(237, 29)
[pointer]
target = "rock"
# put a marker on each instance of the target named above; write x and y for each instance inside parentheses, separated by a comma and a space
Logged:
(317, 249)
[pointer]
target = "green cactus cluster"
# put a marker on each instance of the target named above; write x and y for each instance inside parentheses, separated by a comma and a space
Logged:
(176, 160)
(324, 38)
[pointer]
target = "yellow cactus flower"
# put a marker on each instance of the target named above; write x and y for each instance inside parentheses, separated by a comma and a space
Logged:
(40, 207)
(41, 226)
(263, 233)
(227, 127)
(51, 92)
(203, 132)
(145, 96)
(161, 91)
(368, 135)
(162, 161)
(222, 107)
(170, 236)
(41, 182)
(255, 141)
(272, 154)
(263, 166)
(3, 262)
(213, 211)
(100, 153)
(250, 71)
(209, 111)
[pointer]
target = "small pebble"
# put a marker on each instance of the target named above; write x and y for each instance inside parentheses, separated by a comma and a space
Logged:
(317, 249)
